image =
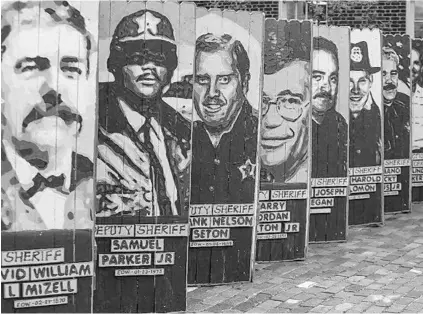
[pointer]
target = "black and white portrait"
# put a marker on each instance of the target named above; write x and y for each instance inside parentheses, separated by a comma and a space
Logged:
(48, 115)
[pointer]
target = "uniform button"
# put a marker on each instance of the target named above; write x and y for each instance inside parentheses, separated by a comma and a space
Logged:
(396, 136)
(217, 161)
(211, 188)
(358, 151)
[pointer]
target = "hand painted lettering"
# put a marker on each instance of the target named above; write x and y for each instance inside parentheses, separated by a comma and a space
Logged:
(28, 257)
(210, 234)
(162, 230)
(137, 245)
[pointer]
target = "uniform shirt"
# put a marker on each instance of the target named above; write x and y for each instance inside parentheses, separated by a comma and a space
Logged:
(365, 136)
(397, 128)
(225, 174)
(329, 146)
(126, 152)
(26, 206)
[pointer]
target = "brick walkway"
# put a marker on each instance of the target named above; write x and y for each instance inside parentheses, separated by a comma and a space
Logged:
(377, 270)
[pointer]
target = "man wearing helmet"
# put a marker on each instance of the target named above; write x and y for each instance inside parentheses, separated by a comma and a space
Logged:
(143, 153)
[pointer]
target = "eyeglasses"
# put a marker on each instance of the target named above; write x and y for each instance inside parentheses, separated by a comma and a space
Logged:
(288, 107)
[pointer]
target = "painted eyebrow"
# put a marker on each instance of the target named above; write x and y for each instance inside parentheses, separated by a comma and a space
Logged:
(318, 72)
(37, 60)
(71, 59)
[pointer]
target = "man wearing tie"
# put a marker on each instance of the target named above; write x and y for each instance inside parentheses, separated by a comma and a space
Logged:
(46, 90)
(143, 150)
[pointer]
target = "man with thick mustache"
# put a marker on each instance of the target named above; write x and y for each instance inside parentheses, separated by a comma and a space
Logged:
(396, 109)
(144, 144)
(417, 100)
(45, 92)
(329, 128)
(365, 120)
(284, 130)
(225, 140)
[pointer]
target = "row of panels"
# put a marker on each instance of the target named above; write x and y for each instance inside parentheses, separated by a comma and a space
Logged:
(151, 145)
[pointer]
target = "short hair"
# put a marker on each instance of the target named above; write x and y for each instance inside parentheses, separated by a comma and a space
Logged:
(59, 12)
(211, 43)
(390, 54)
(321, 43)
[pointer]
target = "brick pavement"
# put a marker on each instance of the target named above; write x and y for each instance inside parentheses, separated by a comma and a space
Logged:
(379, 269)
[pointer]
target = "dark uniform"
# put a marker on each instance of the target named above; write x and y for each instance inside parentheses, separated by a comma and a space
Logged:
(397, 128)
(329, 152)
(365, 136)
(225, 174)
(126, 147)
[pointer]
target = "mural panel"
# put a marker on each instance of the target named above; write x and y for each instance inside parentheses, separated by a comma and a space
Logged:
(366, 128)
(330, 111)
(397, 113)
(285, 146)
(224, 181)
(49, 66)
(144, 155)
(417, 123)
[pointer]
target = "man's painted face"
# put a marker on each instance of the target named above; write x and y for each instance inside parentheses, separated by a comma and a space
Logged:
(147, 80)
(44, 84)
(218, 91)
(416, 69)
(284, 132)
(390, 79)
(324, 81)
(360, 84)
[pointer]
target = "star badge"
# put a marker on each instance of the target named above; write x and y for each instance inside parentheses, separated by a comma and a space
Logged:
(147, 23)
(247, 170)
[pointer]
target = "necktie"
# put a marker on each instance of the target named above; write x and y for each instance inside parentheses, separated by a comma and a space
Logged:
(157, 171)
(41, 183)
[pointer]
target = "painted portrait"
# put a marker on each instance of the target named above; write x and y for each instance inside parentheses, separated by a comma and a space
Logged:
(329, 103)
(417, 94)
(144, 150)
(225, 88)
(365, 103)
(49, 66)
(286, 104)
(396, 96)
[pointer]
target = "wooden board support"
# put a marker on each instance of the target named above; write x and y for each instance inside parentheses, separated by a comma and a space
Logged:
(224, 180)
(49, 66)
(329, 133)
(396, 90)
(417, 121)
(285, 146)
(366, 128)
(144, 155)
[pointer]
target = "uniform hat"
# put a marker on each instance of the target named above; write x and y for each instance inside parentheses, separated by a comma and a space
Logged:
(360, 58)
(143, 36)
(144, 25)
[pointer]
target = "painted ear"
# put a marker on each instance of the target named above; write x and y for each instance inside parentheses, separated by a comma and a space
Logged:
(245, 83)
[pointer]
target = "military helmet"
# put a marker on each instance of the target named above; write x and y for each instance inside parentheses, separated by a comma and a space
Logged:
(141, 37)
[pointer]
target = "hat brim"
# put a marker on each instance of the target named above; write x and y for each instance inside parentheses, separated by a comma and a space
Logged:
(372, 70)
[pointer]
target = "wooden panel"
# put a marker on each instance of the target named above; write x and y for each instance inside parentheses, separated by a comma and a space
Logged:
(224, 184)
(285, 146)
(396, 90)
(417, 122)
(366, 128)
(144, 157)
(49, 66)
(330, 117)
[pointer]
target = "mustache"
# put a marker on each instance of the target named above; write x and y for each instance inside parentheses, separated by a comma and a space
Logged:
(326, 95)
(389, 86)
(147, 76)
(54, 107)
(212, 101)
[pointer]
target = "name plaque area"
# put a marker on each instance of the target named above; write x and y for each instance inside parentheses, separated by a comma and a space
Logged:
(281, 226)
